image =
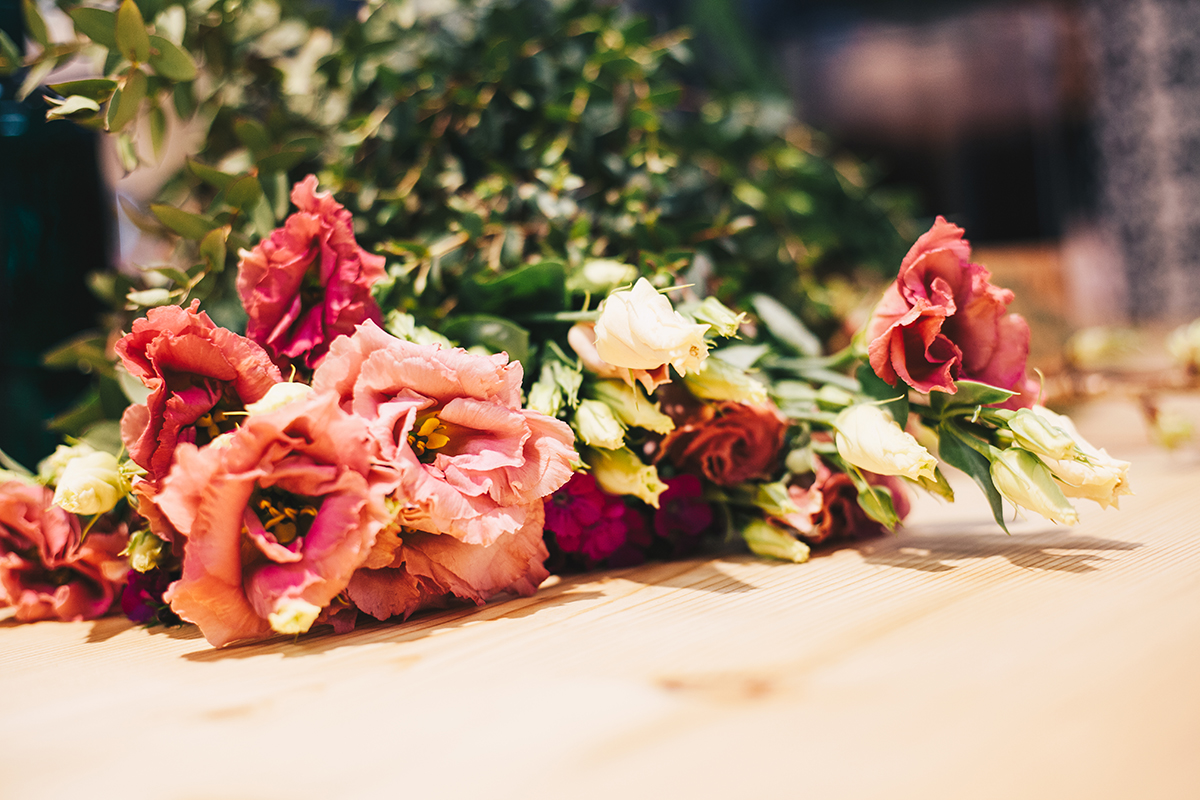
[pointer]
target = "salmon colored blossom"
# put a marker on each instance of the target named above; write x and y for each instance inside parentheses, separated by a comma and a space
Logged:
(942, 320)
(46, 571)
(275, 518)
(196, 372)
(828, 509)
(309, 282)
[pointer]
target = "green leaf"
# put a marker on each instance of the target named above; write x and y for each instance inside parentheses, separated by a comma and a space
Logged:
(494, 333)
(243, 192)
(149, 298)
(85, 353)
(179, 278)
(876, 502)
(785, 326)
(212, 249)
(97, 24)
(71, 105)
(132, 39)
(10, 55)
(953, 449)
(281, 161)
(972, 393)
(213, 177)
(158, 129)
(34, 24)
(126, 153)
(97, 89)
(526, 290)
(252, 134)
(123, 107)
(187, 225)
(878, 389)
(170, 61)
(35, 77)
(140, 219)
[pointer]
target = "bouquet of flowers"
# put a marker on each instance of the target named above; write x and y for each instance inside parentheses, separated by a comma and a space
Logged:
(398, 429)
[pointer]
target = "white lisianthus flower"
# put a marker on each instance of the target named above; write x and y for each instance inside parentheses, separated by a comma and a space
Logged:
(50, 468)
(1041, 435)
(598, 426)
(293, 616)
(622, 472)
(278, 396)
(91, 484)
(1020, 476)
(638, 329)
(1090, 473)
(870, 439)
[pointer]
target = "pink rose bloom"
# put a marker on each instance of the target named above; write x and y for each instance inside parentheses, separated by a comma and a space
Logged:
(472, 463)
(275, 518)
(829, 510)
(195, 371)
(44, 569)
(309, 282)
(942, 321)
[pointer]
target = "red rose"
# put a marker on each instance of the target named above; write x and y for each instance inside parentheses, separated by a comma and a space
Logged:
(942, 321)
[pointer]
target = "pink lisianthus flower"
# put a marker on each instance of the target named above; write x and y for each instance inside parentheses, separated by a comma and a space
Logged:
(45, 571)
(309, 282)
(196, 372)
(942, 320)
(828, 506)
(274, 519)
(472, 463)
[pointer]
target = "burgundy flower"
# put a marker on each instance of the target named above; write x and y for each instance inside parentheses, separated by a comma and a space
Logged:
(829, 509)
(682, 516)
(45, 571)
(726, 442)
(142, 601)
(309, 282)
(274, 518)
(942, 320)
(196, 372)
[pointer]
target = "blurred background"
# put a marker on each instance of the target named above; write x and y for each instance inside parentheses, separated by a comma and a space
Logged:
(1064, 135)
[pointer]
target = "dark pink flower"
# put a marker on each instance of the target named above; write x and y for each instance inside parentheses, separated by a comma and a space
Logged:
(274, 518)
(45, 571)
(683, 516)
(309, 282)
(829, 510)
(195, 371)
(942, 320)
(472, 463)
(586, 520)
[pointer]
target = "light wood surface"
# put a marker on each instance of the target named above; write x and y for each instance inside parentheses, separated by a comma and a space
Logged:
(947, 661)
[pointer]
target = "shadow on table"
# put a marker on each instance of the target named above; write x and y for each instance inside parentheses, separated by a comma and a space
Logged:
(931, 552)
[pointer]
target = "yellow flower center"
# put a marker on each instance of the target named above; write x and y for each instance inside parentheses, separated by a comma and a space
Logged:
(285, 515)
(428, 435)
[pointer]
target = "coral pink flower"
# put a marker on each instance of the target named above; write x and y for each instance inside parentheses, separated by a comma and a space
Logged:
(726, 442)
(472, 463)
(942, 320)
(44, 569)
(310, 281)
(829, 510)
(275, 517)
(195, 371)
(411, 570)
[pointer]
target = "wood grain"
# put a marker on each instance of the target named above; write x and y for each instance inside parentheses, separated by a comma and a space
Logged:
(947, 661)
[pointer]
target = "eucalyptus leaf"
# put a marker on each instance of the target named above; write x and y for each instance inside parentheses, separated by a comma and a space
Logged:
(184, 223)
(953, 449)
(494, 333)
(243, 192)
(158, 129)
(252, 134)
(35, 26)
(170, 61)
(10, 55)
(212, 177)
(212, 249)
(123, 107)
(97, 89)
(97, 24)
(131, 37)
(281, 161)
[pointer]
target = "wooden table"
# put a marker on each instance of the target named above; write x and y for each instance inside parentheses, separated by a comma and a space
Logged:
(948, 661)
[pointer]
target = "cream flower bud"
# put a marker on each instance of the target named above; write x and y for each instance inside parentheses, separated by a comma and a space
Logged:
(622, 472)
(91, 484)
(144, 551)
(1090, 472)
(597, 426)
(631, 406)
(765, 539)
(1038, 434)
(51, 467)
(278, 396)
(869, 438)
(723, 320)
(718, 380)
(601, 275)
(293, 615)
(638, 329)
(1021, 477)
